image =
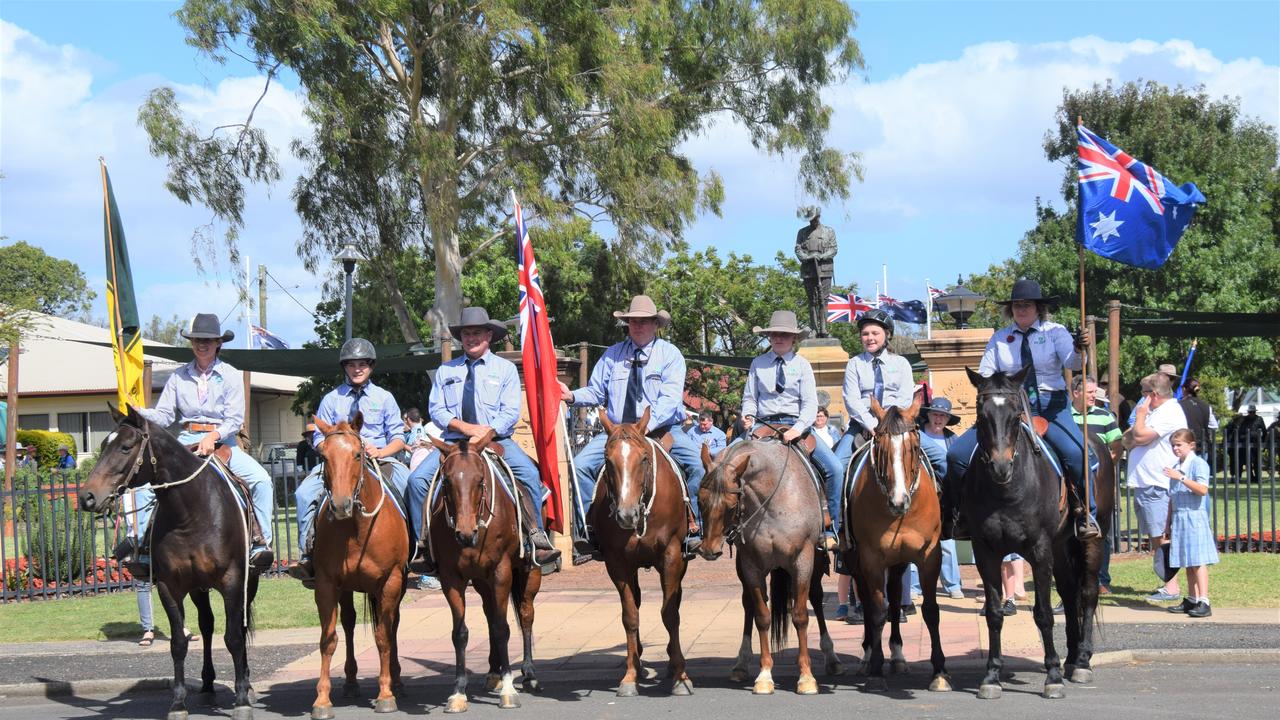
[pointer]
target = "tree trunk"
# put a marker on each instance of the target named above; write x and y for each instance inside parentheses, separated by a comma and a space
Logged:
(407, 327)
(448, 306)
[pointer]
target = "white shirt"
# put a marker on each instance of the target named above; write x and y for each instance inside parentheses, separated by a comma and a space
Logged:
(824, 434)
(1147, 462)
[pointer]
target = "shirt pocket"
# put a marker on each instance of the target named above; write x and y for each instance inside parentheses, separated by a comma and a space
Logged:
(451, 393)
(491, 396)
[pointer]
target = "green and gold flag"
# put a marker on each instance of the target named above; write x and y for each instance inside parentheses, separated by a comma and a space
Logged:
(126, 336)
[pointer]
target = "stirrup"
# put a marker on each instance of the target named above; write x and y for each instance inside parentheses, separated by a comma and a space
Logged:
(422, 562)
(538, 538)
(302, 570)
(1087, 528)
(261, 558)
(828, 543)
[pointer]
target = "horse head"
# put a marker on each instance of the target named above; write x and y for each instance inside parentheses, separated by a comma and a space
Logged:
(463, 472)
(1001, 405)
(343, 451)
(629, 469)
(895, 455)
(121, 461)
(720, 495)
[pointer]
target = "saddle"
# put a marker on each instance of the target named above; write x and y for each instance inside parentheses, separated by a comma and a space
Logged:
(507, 479)
(222, 454)
(764, 432)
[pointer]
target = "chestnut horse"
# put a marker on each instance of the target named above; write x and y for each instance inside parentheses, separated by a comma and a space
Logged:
(896, 519)
(759, 496)
(638, 514)
(475, 535)
(361, 545)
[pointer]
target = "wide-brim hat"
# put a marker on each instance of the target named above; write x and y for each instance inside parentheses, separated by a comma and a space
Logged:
(643, 306)
(205, 326)
(1028, 289)
(782, 321)
(942, 405)
(1168, 369)
(478, 317)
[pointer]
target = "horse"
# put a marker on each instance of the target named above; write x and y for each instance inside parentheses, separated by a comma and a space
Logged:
(475, 535)
(1016, 501)
(361, 545)
(199, 542)
(895, 518)
(759, 496)
(642, 524)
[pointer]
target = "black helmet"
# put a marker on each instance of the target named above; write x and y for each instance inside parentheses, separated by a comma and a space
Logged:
(879, 317)
(357, 349)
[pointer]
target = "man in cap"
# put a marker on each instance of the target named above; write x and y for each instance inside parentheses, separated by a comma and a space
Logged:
(641, 371)
(472, 395)
(381, 430)
(705, 432)
(66, 461)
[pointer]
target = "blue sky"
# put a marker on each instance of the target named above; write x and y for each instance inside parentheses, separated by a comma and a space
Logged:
(949, 115)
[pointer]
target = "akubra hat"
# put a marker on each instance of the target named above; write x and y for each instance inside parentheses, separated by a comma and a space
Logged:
(782, 321)
(478, 317)
(1028, 289)
(1168, 369)
(942, 405)
(205, 326)
(642, 306)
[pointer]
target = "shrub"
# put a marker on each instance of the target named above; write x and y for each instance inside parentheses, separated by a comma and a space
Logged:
(47, 442)
(61, 539)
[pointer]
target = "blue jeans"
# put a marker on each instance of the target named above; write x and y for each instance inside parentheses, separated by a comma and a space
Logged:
(311, 489)
(843, 454)
(146, 617)
(590, 459)
(524, 469)
(950, 567)
(833, 476)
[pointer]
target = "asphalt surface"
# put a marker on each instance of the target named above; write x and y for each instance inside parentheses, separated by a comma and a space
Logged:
(1136, 690)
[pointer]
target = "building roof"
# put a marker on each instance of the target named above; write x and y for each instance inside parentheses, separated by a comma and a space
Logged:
(58, 358)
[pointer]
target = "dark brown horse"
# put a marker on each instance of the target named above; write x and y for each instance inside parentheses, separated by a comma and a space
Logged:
(475, 536)
(639, 516)
(759, 496)
(895, 519)
(1088, 556)
(199, 542)
(361, 545)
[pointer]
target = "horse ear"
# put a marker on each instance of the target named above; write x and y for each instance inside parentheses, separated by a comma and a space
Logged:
(643, 421)
(441, 445)
(324, 427)
(910, 413)
(975, 377)
(357, 422)
(706, 457)
(605, 422)
(737, 467)
(1018, 376)
(877, 409)
(116, 415)
(483, 442)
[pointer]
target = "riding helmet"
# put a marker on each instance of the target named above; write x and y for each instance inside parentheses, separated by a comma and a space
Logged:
(879, 317)
(357, 349)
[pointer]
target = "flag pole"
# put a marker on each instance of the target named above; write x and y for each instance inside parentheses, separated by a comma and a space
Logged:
(928, 316)
(1084, 356)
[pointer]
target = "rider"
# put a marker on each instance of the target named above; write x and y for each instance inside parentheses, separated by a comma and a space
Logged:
(780, 390)
(382, 431)
(207, 397)
(471, 395)
(641, 371)
(1047, 347)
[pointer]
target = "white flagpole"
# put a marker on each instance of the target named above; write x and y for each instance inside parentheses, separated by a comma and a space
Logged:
(877, 293)
(884, 270)
(928, 318)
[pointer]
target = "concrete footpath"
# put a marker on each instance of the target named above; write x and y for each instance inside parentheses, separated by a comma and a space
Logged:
(578, 632)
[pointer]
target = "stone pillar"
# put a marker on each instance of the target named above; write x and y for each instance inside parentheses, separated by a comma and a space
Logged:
(947, 354)
(828, 359)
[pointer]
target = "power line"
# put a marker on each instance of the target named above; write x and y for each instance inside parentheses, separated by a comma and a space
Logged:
(291, 297)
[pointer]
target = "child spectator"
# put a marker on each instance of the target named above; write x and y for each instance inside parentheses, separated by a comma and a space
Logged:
(1188, 532)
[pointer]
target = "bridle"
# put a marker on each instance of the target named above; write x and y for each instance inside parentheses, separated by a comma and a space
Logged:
(144, 450)
(487, 489)
(880, 476)
(648, 483)
(1019, 397)
(368, 466)
(736, 525)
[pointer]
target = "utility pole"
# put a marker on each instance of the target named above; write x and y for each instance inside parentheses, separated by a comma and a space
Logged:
(11, 419)
(262, 296)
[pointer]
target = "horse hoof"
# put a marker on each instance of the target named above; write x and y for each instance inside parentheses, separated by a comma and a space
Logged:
(209, 698)
(242, 712)
(898, 667)
(627, 689)
(176, 715)
(835, 668)
(457, 703)
(1082, 675)
(351, 690)
(682, 687)
(322, 712)
(762, 687)
(531, 684)
(1053, 692)
(941, 683)
(738, 675)
(875, 683)
(384, 705)
(509, 701)
(492, 682)
(807, 686)
(989, 692)
(253, 695)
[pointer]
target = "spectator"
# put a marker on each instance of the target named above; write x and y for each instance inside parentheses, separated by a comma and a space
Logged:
(1103, 428)
(1197, 412)
(24, 457)
(306, 455)
(937, 419)
(1188, 530)
(1249, 435)
(66, 461)
(1150, 452)
(824, 432)
(706, 433)
(1170, 371)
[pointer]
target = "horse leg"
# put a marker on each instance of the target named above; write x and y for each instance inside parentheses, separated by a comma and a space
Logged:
(754, 578)
(740, 668)
(897, 661)
(524, 591)
(1077, 583)
(864, 595)
(327, 608)
(833, 666)
(871, 590)
(628, 586)
(347, 615)
(988, 562)
(930, 569)
(496, 599)
(672, 573)
(1042, 570)
(454, 593)
(236, 637)
(397, 685)
(801, 575)
(177, 649)
(386, 604)
(204, 615)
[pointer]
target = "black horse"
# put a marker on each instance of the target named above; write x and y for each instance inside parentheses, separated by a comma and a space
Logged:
(199, 542)
(1015, 502)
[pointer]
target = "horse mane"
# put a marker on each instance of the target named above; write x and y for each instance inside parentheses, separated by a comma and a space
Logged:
(893, 422)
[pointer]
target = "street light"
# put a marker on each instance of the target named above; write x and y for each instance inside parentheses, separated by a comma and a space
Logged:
(960, 303)
(349, 257)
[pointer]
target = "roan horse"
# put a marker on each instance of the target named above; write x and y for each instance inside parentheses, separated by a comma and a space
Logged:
(199, 542)
(361, 545)
(639, 517)
(1015, 501)
(759, 496)
(475, 536)
(895, 519)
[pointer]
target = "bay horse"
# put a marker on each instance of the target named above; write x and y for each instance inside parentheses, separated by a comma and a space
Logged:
(199, 542)
(361, 545)
(895, 518)
(1015, 502)
(759, 496)
(475, 534)
(638, 514)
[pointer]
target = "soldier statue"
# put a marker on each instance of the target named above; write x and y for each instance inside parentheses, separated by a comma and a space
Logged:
(816, 251)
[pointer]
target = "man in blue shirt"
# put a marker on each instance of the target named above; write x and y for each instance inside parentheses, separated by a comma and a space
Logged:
(382, 430)
(66, 461)
(704, 432)
(471, 395)
(641, 371)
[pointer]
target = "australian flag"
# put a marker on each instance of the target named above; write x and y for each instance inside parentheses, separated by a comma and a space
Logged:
(1129, 212)
(264, 339)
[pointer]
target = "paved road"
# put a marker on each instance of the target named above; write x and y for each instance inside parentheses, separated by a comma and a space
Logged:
(1135, 690)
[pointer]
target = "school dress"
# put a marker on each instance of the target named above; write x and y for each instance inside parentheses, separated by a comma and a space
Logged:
(1191, 540)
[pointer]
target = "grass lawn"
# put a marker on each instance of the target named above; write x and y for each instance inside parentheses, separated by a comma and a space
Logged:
(1239, 580)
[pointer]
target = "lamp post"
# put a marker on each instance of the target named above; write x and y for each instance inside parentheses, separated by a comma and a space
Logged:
(960, 303)
(349, 257)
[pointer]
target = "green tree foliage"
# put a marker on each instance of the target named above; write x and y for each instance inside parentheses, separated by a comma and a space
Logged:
(165, 331)
(32, 280)
(1227, 261)
(579, 106)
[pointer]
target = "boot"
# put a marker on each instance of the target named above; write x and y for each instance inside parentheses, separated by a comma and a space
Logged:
(422, 562)
(1086, 527)
(828, 542)
(303, 570)
(544, 553)
(261, 558)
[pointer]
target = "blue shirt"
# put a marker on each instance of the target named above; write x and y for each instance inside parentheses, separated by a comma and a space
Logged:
(223, 404)
(860, 385)
(497, 388)
(943, 442)
(714, 438)
(67, 462)
(383, 423)
(664, 375)
(799, 396)
(1052, 349)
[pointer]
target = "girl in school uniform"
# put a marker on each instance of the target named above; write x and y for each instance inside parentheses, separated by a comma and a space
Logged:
(1189, 533)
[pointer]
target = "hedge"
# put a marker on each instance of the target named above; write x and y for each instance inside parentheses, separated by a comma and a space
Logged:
(46, 442)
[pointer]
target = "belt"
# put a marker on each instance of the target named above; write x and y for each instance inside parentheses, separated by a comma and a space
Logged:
(779, 418)
(200, 427)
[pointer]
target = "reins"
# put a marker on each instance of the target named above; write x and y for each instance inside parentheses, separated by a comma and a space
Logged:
(368, 466)
(645, 484)
(734, 533)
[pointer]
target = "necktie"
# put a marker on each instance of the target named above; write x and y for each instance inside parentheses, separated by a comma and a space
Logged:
(878, 389)
(635, 389)
(469, 393)
(779, 380)
(356, 394)
(1029, 382)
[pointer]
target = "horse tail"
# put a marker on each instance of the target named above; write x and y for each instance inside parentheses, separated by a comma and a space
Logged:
(781, 604)
(371, 609)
